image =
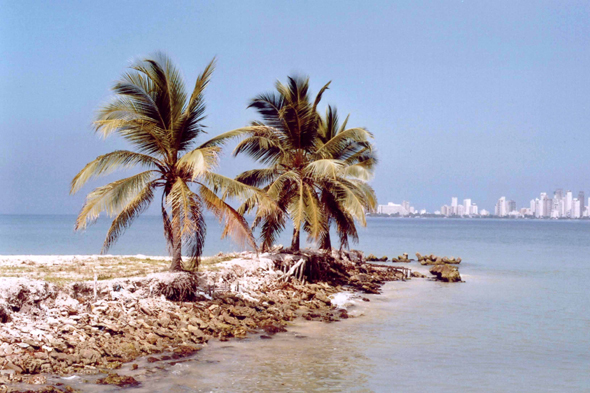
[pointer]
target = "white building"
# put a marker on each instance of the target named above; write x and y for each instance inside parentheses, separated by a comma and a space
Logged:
(467, 207)
(501, 208)
(392, 208)
(568, 204)
(576, 208)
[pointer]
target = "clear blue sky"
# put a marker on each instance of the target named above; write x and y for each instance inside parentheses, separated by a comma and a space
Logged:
(465, 98)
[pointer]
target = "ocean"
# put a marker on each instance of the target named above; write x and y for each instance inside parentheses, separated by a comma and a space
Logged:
(519, 323)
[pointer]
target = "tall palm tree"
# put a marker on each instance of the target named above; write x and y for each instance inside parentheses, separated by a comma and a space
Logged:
(153, 112)
(307, 172)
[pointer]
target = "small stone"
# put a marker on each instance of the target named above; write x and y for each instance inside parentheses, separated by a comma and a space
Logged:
(118, 380)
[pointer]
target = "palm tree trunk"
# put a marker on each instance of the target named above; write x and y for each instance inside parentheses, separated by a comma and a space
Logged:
(326, 242)
(295, 241)
(176, 242)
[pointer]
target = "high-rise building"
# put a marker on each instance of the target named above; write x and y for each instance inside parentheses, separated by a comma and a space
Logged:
(568, 204)
(510, 206)
(474, 210)
(576, 211)
(558, 194)
(467, 207)
(533, 207)
(501, 208)
(454, 205)
(547, 203)
(538, 208)
(582, 201)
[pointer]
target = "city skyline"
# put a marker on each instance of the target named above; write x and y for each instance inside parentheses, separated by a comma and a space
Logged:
(561, 205)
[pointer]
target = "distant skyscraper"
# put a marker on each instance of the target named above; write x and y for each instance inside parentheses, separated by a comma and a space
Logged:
(510, 206)
(467, 207)
(558, 194)
(568, 204)
(501, 208)
(576, 211)
(454, 205)
(582, 201)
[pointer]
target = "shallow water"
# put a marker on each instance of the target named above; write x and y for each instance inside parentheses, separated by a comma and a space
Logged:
(520, 322)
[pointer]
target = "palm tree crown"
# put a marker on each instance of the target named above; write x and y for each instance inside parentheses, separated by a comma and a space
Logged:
(315, 171)
(153, 112)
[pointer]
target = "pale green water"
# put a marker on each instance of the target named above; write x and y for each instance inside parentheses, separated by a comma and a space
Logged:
(521, 322)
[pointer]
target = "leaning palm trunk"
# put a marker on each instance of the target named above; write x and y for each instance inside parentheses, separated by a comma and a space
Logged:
(295, 242)
(176, 242)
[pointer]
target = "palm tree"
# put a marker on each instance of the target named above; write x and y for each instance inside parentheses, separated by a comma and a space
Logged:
(310, 166)
(152, 111)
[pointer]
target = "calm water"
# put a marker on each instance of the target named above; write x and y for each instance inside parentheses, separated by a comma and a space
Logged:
(521, 322)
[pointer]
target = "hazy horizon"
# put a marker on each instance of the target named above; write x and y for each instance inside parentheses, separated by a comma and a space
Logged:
(465, 99)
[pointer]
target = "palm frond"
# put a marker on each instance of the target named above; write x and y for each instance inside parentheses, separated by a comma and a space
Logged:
(199, 161)
(359, 171)
(341, 140)
(234, 223)
(112, 198)
(326, 167)
(190, 124)
(129, 213)
(258, 177)
(230, 188)
(107, 163)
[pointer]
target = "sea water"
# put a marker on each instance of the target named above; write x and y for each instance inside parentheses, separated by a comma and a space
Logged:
(519, 323)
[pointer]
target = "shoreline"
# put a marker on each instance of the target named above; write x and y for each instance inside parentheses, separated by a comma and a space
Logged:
(66, 329)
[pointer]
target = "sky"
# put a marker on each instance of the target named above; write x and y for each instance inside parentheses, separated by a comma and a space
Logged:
(465, 98)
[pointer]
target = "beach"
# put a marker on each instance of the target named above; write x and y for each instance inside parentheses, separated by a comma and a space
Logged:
(63, 325)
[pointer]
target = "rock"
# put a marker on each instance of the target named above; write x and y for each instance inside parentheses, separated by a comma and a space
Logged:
(119, 380)
(152, 338)
(372, 258)
(273, 329)
(4, 315)
(418, 274)
(446, 273)
(187, 350)
(265, 337)
(37, 380)
(89, 356)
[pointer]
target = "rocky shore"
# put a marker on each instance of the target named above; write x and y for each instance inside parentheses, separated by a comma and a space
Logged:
(95, 327)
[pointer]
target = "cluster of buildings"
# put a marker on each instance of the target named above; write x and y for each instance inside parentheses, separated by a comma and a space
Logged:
(468, 209)
(560, 206)
(394, 209)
